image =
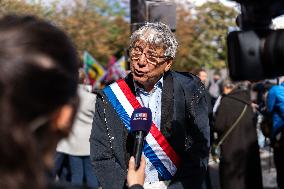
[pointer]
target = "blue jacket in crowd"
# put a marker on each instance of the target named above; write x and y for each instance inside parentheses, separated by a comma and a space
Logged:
(275, 105)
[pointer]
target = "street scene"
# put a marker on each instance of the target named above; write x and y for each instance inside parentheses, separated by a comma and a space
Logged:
(141, 94)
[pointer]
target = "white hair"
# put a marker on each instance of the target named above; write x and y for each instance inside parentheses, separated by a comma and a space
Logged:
(158, 34)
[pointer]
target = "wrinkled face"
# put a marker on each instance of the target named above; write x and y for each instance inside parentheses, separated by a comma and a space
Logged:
(148, 63)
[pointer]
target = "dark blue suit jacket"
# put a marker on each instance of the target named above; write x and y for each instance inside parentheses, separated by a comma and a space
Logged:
(184, 123)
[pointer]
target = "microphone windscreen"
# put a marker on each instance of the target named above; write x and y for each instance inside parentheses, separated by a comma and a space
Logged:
(141, 120)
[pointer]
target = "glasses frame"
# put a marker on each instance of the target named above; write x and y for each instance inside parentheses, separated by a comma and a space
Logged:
(135, 56)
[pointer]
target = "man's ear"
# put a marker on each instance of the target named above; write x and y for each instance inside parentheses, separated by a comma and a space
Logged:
(63, 119)
(169, 64)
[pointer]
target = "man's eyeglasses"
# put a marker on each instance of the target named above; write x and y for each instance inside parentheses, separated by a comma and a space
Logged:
(150, 55)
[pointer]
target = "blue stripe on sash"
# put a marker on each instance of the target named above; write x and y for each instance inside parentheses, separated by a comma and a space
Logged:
(149, 153)
(118, 107)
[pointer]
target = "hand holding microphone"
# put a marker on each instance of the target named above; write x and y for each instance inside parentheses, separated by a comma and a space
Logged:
(140, 123)
(136, 176)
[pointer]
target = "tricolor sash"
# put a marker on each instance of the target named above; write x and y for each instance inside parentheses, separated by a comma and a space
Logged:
(156, 147)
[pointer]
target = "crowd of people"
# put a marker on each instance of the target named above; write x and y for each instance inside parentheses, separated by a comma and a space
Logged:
(246, 117)
(56, 132)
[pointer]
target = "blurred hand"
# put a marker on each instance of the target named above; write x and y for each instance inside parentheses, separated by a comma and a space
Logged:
(254, 107)
(136, 176)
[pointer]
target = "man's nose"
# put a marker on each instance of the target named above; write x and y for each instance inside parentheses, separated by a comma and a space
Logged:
(142, 60)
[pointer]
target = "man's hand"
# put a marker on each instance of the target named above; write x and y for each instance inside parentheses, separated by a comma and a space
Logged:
(136, 176)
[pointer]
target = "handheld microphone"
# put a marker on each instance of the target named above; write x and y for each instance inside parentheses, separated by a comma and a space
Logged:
(140, 123)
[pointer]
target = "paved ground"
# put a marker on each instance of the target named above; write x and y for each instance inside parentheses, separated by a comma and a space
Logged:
(268, 170)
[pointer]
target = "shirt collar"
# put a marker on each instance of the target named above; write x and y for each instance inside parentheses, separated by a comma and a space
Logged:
(159, 84)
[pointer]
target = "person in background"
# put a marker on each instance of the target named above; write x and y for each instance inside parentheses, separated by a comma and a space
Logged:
(259, 91)
(239, 162)
(201, 73)
(215, 88)
(177, 147)
(275, 106)
(76, 146)
(38, 93)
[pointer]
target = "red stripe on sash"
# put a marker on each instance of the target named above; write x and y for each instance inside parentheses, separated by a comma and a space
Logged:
(161, 140)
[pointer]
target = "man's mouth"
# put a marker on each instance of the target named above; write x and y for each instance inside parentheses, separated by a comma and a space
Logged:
(139, 73)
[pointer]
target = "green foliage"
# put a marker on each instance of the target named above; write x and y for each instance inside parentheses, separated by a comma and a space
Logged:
(185, 34)
(20, 7)
(202, 36)
(99, 27)
(106, 7)
(214, 20)
(93, 25)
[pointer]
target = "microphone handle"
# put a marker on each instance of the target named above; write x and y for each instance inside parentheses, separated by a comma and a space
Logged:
(138, 147)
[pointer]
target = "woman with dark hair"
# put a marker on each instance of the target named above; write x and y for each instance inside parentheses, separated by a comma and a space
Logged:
(38, 92)
(38, 99)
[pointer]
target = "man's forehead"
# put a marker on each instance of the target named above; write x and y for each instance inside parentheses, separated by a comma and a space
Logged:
(142, 43)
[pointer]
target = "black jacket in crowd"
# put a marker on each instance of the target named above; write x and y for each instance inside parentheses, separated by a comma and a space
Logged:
(240, 162)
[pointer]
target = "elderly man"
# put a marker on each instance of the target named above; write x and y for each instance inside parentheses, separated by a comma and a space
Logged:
(176, 149)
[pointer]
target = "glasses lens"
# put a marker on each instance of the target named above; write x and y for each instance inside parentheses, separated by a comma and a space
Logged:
(136, 53)
(152, 59)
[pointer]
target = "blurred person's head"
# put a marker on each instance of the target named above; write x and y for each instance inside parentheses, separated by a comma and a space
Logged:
(201, 73)
(203, 76)
(216, 77)
(152, 50)
(281, 79)
(228, 86)
(38, 97)
(82, 76)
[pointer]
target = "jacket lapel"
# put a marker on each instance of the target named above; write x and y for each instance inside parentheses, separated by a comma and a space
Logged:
(167, 104)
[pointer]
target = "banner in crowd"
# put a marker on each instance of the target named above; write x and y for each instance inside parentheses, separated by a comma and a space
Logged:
(116, 69)
(120, 67)
(95, 72)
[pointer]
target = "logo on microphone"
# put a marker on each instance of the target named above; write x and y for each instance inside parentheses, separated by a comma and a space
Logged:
(140, 116)
(141, 120)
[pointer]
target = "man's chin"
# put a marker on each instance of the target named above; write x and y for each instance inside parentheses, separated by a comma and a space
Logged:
(140, 80)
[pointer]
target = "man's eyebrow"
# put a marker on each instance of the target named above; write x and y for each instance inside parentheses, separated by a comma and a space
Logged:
(152, 51)
(138, 46)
